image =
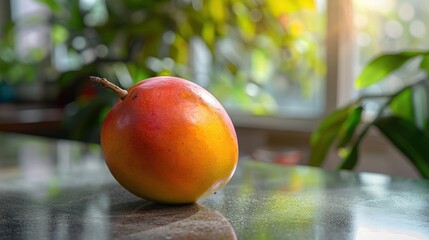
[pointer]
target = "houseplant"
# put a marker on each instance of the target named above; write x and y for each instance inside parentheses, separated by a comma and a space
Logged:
(402, 116)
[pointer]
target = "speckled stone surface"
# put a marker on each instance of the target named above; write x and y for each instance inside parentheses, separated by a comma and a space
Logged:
(52, 189)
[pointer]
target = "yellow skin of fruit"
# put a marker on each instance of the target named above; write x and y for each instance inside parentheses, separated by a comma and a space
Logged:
(170, 141)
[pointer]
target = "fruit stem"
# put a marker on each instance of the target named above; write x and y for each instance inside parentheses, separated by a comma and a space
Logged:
(106, 84)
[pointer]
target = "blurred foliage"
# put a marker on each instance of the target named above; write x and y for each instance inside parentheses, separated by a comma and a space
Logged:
(14, 68)
(247, 53)
(403, 117)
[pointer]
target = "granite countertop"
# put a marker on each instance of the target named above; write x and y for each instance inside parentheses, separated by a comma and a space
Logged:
(57, 189)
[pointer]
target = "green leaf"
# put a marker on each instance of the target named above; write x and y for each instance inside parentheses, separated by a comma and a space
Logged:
(424, 64)
(426, 126)
(410, 140)
(75, 21)
(349, 127)
(330, 122)
(381, 66)
(52, 4)
(59, 34)
(402, 105)
(278, 8)
(421, 105)
(323, 137)
(320, 149)
(350, 157)
(217, 10)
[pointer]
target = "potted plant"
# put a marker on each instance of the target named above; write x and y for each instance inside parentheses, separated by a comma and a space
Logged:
(402, 117)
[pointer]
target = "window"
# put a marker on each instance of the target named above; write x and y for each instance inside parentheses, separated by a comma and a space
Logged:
(388, 26)
(370, 28)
